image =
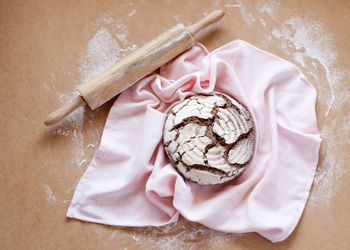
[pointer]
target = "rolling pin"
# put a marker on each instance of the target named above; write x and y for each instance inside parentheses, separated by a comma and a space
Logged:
(134, 67)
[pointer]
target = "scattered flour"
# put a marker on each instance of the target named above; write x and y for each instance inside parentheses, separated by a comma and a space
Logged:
(308, 43)
(233, 5)
(181, 235)
(268, 8)
(72, 126)
(305, 41)
(247, 15)
(51, 198)
(330, 171)
(311, 46)
(101, 52)
(132, 13)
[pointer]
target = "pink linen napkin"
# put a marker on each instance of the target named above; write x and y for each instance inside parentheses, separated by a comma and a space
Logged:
(130, 181)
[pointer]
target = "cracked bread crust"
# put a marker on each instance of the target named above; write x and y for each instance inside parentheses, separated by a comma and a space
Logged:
(209, 138)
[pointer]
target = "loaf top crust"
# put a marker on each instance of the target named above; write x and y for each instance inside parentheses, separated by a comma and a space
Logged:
(209, 138)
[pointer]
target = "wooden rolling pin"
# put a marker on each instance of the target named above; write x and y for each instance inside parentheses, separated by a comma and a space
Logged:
(134, 67)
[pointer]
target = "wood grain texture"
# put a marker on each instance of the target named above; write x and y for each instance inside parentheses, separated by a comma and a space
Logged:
(136, 65)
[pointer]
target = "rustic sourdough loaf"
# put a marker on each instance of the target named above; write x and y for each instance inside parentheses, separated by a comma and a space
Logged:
(209, 138)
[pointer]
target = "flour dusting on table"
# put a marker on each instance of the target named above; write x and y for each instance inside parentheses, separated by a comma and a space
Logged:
(312, 47)
(51, 198)
(101, 52)
(308, 43)
(182, 235)
(304, 41)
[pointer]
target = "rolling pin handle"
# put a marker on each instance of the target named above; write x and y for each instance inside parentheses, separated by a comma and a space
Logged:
(61, 113)
(206, 21)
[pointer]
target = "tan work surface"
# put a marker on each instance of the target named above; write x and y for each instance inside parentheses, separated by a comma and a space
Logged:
(47, 48)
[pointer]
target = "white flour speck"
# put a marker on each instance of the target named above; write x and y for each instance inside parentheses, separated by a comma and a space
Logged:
(49, 87)
(263, 22)
(246, 14)
(82, 162)
(108, 19)
(96, 228)
(50, 197)
(177, 18)
(113, 235)
(268, 8)
(132, 13)
(233, 3)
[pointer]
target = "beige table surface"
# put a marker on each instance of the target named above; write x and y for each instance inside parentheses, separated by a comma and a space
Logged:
(47, 48)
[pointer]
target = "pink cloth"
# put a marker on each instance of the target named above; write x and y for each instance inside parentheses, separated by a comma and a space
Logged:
(130, 181)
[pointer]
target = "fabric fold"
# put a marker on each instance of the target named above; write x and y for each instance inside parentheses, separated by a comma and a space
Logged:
(131, 182)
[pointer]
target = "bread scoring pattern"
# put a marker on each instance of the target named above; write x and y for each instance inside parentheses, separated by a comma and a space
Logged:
(209, 138)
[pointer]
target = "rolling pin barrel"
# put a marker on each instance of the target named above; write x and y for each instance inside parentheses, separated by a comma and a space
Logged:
(135, 66)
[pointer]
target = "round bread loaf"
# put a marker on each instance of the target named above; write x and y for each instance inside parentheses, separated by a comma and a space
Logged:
(209, 138)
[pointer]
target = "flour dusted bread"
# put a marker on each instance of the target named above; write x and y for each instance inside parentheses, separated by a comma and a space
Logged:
(209, 138)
